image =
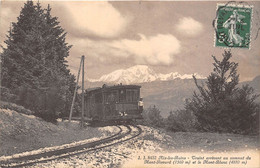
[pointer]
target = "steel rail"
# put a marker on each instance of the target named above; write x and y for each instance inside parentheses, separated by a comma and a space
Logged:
(59, 151)
(76, 150)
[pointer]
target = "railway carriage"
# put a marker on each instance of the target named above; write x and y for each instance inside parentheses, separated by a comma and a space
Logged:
(113, 103)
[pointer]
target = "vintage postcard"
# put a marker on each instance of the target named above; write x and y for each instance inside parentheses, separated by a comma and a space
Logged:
(129, 84)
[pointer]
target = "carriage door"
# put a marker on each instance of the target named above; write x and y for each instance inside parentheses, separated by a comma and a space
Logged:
(132, 98)
(111, 99)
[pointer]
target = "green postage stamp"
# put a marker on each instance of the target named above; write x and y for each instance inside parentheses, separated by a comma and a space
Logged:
(233, 26)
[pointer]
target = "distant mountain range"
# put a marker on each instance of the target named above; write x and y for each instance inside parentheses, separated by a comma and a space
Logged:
(166, 91)
(140, 74)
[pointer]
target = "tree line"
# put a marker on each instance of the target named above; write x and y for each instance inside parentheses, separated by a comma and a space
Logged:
(218, 105)
(34, 70)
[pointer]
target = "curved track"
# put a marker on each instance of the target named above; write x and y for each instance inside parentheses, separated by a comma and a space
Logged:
(120, 137)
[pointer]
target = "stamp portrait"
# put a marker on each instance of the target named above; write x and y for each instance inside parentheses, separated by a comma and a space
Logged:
(233, 26)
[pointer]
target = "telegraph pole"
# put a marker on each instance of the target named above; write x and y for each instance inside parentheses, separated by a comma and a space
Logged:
(82, 62)
(75, 91)
(83, 102)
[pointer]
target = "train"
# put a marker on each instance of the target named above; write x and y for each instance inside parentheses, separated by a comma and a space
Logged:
(115, 103)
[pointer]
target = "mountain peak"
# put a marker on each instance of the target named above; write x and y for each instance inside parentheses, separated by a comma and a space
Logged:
(139, 74)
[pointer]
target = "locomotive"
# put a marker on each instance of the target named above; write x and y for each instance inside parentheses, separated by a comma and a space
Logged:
(113, 103)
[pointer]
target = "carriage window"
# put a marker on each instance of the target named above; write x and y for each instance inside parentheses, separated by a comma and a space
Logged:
(129, 96)
(98, 98)
(122, 95)
(111, 96)
(132, 95)
(92, 98)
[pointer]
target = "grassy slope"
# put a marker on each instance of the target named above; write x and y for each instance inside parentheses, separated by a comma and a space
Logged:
(20, 132)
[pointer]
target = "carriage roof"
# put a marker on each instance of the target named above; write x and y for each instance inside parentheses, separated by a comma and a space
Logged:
(106, 87)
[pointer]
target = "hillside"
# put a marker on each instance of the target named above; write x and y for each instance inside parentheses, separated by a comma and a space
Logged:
(21, 132)
(255, 83)
(168, 95)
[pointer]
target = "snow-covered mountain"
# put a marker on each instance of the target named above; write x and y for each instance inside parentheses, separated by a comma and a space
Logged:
(140, 74)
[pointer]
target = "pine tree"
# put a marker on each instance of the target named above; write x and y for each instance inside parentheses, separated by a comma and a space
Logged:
(59, 50)
(221, 105)
(14, 64)
(34, 62)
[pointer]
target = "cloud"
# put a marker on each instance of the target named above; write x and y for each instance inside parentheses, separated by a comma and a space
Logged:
(189, 27)
(154, 50)
(96, 51)
(96, 18)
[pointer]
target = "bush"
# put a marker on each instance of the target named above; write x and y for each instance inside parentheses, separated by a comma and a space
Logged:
(181, 120)
(7, 96)
(48, 103)
(41, 103)
(152, 117)
(15, 107)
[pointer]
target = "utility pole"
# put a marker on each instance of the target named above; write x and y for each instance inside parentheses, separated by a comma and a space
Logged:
(75, 92)
(83, 95)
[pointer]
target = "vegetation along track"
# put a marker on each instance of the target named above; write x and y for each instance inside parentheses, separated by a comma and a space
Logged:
(120, 137)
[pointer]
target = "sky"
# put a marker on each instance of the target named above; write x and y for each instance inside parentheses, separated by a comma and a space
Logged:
(167, 36)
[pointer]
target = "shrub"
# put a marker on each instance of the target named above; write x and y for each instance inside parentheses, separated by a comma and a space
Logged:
(15, 107)
(181, 120)
(7, 96)
(152, 117)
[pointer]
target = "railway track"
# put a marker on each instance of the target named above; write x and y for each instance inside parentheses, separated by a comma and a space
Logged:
(121, 136)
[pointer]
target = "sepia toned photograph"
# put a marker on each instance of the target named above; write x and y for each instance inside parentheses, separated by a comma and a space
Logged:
(129, 84)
